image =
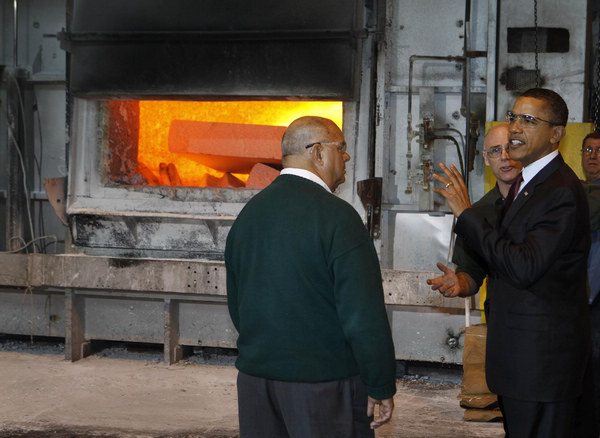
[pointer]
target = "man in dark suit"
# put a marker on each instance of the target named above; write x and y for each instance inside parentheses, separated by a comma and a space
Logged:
(471, 270)
(538, 342)
(590, 163)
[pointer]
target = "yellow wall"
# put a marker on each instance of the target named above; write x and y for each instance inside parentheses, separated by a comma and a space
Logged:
(570, 149)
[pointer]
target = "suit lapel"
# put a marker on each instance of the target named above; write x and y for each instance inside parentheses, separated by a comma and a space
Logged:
(528, 190)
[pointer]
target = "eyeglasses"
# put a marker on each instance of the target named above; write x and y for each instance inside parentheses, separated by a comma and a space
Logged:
(341, 147)
(527, 120)
(587, 150)
(496, 151)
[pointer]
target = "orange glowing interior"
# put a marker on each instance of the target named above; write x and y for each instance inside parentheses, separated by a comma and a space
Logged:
(162, 165)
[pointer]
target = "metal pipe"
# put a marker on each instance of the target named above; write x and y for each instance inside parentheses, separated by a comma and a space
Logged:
(15, 32)
(453, 140)
(375, 41)
(414, 58)
(410, 134)
(467, 90)
(219, 35)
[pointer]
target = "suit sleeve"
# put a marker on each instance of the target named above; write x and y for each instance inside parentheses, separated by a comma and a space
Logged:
(467, 260)
(528, 249)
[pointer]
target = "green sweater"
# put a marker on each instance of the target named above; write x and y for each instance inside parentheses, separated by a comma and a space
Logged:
(305, 292)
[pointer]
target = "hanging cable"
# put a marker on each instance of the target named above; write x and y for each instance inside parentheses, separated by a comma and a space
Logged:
(453, 140)
(462, 138)
(535, 24)
(25, 245)
(15, 143)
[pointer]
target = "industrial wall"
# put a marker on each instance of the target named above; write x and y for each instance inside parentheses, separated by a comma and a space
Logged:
(426, 76)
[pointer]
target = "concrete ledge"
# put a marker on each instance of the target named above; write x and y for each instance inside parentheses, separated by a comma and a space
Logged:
(407, 288)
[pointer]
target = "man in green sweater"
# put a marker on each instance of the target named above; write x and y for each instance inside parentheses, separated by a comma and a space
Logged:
(305, 294)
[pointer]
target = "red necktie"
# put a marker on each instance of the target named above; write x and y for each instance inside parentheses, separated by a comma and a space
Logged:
(512, 194)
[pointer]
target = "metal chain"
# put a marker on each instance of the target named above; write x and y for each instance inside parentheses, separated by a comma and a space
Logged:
(535, 20)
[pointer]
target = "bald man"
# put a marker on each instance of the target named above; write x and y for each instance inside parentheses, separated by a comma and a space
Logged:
(304, 292)
(471, 269)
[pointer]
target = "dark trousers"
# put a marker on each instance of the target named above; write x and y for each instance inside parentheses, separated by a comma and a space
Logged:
(527, 419)
(587, 415)
(575, 418)
(595, 320)
(275, 409)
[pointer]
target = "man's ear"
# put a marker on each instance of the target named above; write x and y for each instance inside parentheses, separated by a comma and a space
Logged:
(317, 153)
(485, 158)
(558, 133)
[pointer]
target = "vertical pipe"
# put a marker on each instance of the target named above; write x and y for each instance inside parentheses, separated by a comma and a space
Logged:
(373, 91)
(467, 90)
(492, 61)
(15, 33)
(68, 103)
(409, 132)
(467, 105)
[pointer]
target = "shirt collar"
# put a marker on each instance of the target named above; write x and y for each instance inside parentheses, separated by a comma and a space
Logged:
(303, 173)
(532, 169)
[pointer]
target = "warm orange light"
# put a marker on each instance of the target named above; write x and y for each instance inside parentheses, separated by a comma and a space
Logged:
(156, 117)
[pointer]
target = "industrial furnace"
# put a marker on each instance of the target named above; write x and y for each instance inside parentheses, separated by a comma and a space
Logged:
(173, 120)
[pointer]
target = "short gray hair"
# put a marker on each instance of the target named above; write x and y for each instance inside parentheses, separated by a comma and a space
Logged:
(304, 131)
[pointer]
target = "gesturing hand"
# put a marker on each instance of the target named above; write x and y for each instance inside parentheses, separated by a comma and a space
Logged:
(453, 284)
(455, 191)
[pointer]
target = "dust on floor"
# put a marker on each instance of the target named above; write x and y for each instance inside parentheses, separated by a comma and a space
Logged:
(43, 395)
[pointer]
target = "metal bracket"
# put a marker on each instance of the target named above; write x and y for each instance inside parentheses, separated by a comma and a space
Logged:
(369, 191)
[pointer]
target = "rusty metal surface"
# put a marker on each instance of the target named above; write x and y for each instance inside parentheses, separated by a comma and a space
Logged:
(14, 270)
(56, 188)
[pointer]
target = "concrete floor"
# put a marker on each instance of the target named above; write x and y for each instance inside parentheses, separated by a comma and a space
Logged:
(44, 395)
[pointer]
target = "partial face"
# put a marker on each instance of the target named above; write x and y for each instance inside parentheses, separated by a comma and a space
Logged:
(334, 156)
(590, 161)
(327, 150)
(529, 142)
(496, 156)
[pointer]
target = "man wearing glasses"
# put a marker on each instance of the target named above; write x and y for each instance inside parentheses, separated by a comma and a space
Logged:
(590, 162)
(590, 157)
(471, 269)
(538, 338)
(305, 293)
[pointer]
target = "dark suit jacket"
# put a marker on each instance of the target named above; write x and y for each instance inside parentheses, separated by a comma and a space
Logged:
(538, 326)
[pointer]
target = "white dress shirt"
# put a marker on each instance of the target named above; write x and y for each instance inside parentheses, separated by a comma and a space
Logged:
(305, 174)
(532, 169)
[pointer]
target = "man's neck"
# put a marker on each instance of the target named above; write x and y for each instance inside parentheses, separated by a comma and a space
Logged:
(503, 187)
(593, 180)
